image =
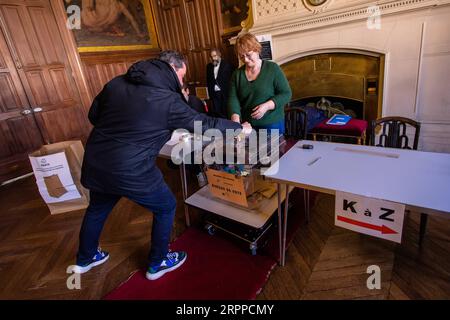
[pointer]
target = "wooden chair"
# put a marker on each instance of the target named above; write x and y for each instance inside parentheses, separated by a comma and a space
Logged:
(296, 125)
(393, 134)
(296, 120)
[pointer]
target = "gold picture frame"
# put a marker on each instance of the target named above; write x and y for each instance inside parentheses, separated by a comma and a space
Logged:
(116, 26)
(233, 13)
(202, 93)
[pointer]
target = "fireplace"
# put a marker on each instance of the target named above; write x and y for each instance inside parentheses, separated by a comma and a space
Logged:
(348, 82)
(350, 107)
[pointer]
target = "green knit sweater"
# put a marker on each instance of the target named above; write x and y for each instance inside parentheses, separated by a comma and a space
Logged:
(271, 84)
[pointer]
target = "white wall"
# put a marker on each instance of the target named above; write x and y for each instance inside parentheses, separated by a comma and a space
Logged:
(416, 44)
(433, 107)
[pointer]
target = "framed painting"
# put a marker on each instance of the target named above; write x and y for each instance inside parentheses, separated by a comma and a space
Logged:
(233, 12)
(110, 25)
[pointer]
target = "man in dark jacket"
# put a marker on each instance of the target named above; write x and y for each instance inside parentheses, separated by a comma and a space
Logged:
(218, 75)
(133, 117)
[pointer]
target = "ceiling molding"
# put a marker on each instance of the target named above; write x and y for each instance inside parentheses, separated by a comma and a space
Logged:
(288, 22)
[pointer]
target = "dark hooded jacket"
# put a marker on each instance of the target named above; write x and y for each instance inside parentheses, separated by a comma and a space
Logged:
(133, 117)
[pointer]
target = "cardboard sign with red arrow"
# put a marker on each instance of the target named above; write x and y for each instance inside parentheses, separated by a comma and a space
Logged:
(375, 217)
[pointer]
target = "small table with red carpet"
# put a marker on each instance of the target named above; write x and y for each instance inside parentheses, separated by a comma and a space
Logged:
(355, 128)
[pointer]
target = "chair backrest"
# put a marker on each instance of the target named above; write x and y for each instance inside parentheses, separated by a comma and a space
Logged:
(295, 122)
(393, 133)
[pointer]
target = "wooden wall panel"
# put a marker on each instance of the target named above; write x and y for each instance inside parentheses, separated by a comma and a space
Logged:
(191, 27)
(18, 136)
(9, 99)
(171, 19)
(61, 128)
(100, 67)
(206, 35)
(21, 137)
(22, 40)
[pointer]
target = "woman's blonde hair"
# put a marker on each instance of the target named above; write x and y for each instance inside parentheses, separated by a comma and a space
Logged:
(245, 43)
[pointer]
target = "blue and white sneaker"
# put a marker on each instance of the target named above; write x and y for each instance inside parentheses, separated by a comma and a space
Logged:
(99, 258)
(172, 261)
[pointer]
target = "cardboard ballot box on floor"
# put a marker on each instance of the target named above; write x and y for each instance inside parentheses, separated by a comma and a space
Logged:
(57, 169)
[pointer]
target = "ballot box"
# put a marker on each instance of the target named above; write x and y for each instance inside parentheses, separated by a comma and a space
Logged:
(238, 199)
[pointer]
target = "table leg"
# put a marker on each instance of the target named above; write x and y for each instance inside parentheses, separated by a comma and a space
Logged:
(280, 226)
(184, 190)
(422, 227)
(286, 207)
(306, 202)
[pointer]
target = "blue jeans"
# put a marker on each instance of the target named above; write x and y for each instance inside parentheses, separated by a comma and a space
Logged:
(277, 125)
(161, 202)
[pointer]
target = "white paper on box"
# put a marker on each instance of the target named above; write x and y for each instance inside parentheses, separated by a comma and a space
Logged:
(50, 165)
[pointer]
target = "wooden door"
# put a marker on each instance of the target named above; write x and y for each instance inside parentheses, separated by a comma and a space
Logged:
(43, 78)
(43, 68)
(173, 26)
(204, 28)
(19, 133)
(191, 27)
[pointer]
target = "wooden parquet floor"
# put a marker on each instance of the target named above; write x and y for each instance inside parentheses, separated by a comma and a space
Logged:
(322, 262)
(341, 271)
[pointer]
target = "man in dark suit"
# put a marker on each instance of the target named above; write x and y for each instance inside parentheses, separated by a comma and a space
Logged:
(218, 75)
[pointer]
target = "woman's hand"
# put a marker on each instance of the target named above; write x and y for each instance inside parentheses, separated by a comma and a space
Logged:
(236, 118)
(260, 111)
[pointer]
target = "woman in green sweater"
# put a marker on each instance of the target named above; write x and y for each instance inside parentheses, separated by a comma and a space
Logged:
(259, 89)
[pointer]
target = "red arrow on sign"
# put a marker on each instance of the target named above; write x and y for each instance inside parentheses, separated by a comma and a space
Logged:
(383, 228)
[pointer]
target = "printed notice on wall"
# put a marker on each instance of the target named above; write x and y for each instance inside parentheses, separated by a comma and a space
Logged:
(375, 217)
(53, 178)
(266, 44)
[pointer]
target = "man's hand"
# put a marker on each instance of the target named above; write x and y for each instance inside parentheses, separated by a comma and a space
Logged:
(246, 128)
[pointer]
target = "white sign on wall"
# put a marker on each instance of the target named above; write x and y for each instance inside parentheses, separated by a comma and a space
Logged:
(378, 218)
(266, 44)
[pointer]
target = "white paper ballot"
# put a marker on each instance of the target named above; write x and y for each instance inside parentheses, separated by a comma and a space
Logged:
(53, 178)
(176, 137)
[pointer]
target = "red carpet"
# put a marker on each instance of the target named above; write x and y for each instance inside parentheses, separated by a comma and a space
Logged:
(217, 268)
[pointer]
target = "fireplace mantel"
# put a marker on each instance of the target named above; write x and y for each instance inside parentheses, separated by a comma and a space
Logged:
(288, 16)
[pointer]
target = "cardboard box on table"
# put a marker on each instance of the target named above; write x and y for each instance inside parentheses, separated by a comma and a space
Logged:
(229, 187)
(246, 191)
(57, 169)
